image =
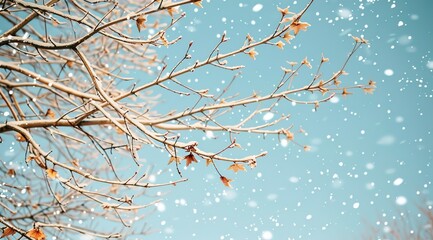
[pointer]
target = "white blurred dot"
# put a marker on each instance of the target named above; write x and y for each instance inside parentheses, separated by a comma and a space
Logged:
(389, 72)
(398, 181)
(266, 235)
(257, 7)
(400, 200)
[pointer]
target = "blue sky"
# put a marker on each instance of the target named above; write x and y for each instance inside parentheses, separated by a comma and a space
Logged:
(371, 154)
(371, 157)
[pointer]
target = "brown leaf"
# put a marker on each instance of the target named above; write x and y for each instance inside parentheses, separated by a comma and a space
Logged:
(51, 173)
(307, 148)
(140, 23)
(198, 3)
(289, 135)
(174, 159)
(226, 181)
(50, 113)
(7, 232)
(11, 172)
(345, 92)
(208, 161)
(69, 63)
(189, 159)
(19, 137)
(171, 11)
(236, 167)
(36, 233)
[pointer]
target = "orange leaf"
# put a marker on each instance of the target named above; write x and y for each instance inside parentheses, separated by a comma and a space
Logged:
(51, 173)
(50, 113)
(208, 161)
(174, 159)
(236, 167)
(287, 37)
(19, 137)
(297, 26)
(69, 63)
(252, 53)
(289, 135)
(198, 3)
(280, 45)
(226, 181)
(7, 232)
(36, 233)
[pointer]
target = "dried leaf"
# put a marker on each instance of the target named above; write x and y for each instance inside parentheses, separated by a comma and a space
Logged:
(226, 181)
(19, 137)
(141, 23)
(307, 148)
(11, 172)
(198, 3)
(171, 11)
(189, 159)
(174, 159)
(36, 233)
(324, 59)
(50, 113)
(236, 167)
(345, 92)
(284, 11)
(51, 173)
(306, 63)
(287, 37)
(280, 45)
(69, 63)
(297, 26)
(7, 232)
(289, 135)
(208, 161)
(252, 53)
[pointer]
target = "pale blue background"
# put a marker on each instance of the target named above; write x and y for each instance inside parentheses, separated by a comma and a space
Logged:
(396, 121)
(361, 144)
